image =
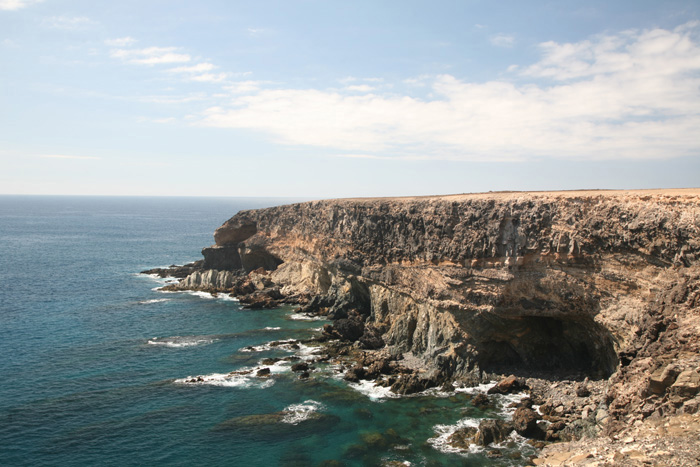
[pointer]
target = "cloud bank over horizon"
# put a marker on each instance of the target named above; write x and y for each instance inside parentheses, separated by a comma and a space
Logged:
(632, 94)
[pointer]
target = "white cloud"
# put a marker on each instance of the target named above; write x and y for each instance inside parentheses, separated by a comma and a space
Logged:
(360, 88)
(13, 5)
(210, 77)
(151, 55)
(121, 42)
(243, 87)
(633, 95)
(502, 40)
(198, 68)
(257, 31)
(69, 23)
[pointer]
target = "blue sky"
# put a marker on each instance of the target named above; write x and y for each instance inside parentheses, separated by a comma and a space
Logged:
(334, 99)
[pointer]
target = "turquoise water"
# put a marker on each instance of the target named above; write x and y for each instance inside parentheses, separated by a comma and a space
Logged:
(94, 359)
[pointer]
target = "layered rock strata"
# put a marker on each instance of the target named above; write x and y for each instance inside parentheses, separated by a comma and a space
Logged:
(563, 285)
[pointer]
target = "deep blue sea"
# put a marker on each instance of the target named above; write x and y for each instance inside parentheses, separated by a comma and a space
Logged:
(94, 360)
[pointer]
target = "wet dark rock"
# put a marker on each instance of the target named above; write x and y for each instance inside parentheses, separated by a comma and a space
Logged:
(525, 423)
(492, 431)
(494, 454)
(301, 366)
(263, 372)
(355, 374)
(481, 401)
(178, 272)
(462, 438)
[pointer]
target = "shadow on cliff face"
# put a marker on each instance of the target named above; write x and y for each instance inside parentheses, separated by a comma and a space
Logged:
(558, 346)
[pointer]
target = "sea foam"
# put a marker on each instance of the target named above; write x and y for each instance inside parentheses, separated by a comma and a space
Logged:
(300, 412)
(181, 341)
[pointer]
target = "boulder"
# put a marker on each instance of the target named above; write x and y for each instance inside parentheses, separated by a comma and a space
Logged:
(492, 431)
(525, 423)
(662, 378)
(462, 438)
(481, 401)
(508, 385)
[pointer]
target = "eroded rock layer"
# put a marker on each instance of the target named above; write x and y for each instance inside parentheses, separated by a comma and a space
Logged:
(596, 284)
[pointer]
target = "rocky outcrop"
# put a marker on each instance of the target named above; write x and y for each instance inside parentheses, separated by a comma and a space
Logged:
(210, 279)
(565, 285)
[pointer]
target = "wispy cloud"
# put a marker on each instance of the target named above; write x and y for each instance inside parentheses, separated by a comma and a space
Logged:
(121, 42)
(257, 31)
(502, 40)
(628, 95)
(198, 68)
(210, 77)
(198, 72)
(360, 88)
(13, 5)
(67, 156)
(243, 87)
(69, 23)
(151, 55)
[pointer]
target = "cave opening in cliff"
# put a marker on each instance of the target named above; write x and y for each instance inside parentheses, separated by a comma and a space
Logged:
(559, 346)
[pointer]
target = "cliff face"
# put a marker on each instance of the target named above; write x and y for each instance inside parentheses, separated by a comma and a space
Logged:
(574, 283)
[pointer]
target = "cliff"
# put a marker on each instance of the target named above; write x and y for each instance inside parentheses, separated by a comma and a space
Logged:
(597, 284)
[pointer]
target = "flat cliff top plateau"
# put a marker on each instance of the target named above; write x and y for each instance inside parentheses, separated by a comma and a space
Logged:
(509, 195)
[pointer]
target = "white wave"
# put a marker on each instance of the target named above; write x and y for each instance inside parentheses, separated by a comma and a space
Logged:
(305, 317)
(284, 345)
(308, 352)
(523, 446)
(179, 341)
(245, 378)
(227, 297)
(443, 433)
(503, 401)
(300, 412)
(272, 328)
(154, 277)
(206, 295)
(374, 392)
(228, 380)
(476, 389)
(154, 300)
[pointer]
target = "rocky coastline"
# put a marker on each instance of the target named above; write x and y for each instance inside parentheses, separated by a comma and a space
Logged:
(588, 301)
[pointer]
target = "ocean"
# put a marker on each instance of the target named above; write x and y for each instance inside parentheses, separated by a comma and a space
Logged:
(95, 361)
